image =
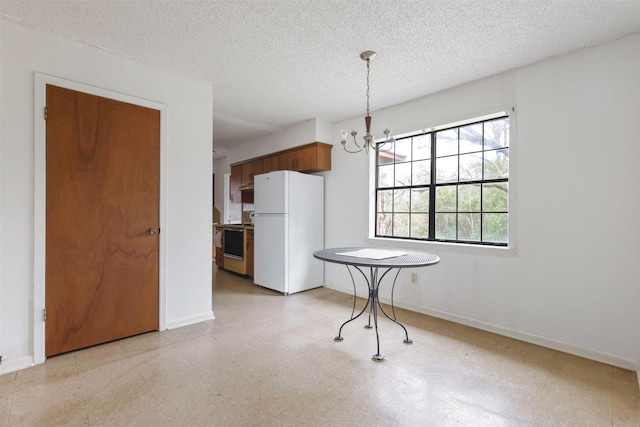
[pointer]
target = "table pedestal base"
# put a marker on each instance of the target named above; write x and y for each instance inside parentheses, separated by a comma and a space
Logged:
(374, 303)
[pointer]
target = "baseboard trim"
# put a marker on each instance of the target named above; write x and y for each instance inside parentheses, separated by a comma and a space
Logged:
(610, 359)
(186, 321)
(12, 365)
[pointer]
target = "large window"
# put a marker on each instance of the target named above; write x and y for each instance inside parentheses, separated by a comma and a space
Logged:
(449, 185)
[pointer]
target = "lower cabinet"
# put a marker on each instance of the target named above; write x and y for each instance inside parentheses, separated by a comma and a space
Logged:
(218, 246)
(248, 235)
(244, 266)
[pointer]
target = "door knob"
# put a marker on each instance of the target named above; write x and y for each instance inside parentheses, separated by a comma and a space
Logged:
(151, 231)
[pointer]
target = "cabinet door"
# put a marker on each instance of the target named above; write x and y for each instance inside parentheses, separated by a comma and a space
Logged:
(270, 164)
(315, 157)
(219, 250)
(249, 170)
(295, 160)
(248, 255)
(306, 159)
(235, 180)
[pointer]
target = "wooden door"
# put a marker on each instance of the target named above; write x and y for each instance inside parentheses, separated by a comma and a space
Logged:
(102, 197)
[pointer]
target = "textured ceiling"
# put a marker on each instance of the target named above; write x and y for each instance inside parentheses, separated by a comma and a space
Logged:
(274, 63)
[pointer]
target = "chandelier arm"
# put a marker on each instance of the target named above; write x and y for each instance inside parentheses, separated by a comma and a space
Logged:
(355, 141)
(344, 145)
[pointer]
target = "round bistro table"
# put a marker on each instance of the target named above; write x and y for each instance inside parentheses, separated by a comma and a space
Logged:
(375, 258)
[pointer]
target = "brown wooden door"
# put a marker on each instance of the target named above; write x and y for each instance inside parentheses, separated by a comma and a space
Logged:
(103, 172)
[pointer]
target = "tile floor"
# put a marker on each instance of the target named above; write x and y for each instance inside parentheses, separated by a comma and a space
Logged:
(269, 360)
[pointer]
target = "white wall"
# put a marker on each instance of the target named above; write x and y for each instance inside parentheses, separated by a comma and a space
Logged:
(187, 180)
(306, 132)
(572, 282)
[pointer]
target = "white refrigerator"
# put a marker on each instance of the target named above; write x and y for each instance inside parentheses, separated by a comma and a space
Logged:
(289, 227)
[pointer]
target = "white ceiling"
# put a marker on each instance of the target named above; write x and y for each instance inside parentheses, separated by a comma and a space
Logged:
(274, 63)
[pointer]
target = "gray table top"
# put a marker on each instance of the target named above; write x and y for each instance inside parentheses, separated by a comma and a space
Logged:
(407, 260)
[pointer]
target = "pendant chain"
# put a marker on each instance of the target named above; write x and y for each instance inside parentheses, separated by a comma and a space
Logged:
(368, 61)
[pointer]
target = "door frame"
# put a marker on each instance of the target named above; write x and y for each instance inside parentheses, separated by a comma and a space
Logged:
(40, 185)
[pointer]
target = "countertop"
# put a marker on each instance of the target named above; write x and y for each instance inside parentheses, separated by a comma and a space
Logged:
(245, 226)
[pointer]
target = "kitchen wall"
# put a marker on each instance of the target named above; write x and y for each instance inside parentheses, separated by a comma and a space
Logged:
(185, 181)
(571, 278)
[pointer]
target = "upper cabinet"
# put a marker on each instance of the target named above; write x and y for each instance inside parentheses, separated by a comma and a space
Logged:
(270, 164)
(249, 170)
(314, 157)
(235, 181)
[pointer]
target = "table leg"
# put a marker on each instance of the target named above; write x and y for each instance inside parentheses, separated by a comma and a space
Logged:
(353, 310)
(375, 303)
(393, 311)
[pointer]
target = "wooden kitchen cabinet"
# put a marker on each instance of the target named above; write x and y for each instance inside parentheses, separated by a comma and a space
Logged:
(249, 250)
(249, 170)
(235, 181)
(270, 164)
(219, 251)
(314, 157)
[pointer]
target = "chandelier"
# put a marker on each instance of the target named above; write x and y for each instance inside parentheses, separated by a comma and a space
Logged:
(369, 142)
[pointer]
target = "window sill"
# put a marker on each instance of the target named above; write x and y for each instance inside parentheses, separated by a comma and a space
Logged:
(461, 248)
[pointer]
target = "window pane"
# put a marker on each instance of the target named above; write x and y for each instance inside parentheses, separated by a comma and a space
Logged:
(403, 150)
(447, 142)
(385, 201)
(495, 227)
(421, 173)
(419, 226)
(401, 225)
(384, 224)
(446, 226)
(447, 169)
(471, 138)
(388, 146)
(469, 227)
(420, 200)
(385, 157)
(422, 147)
(471, 167)
(401, 201)
(385, 176)
(469, 199)
(496, 164)
(496, 133)
(446, 198)
(403, 174)
(495, 197)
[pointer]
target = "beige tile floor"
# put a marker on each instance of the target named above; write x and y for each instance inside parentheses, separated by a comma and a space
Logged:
(269, 360)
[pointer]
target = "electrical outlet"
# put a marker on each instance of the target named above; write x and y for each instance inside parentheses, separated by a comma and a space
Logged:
(414, 277)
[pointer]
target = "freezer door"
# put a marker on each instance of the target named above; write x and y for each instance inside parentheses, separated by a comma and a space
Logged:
(271, 192)
(271, 252)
